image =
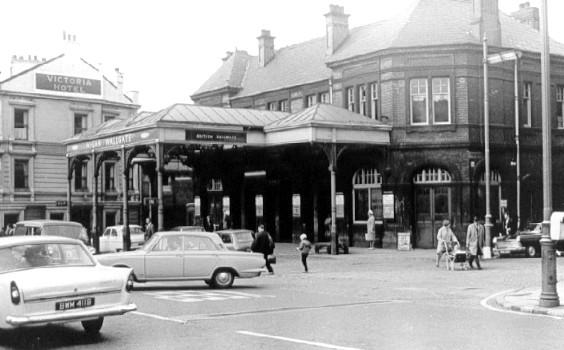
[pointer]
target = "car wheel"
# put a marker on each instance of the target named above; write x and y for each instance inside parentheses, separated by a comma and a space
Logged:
(92, 327)
(223, 279)
(531, 251)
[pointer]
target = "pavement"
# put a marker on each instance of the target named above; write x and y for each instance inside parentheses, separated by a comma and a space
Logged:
(524, 300)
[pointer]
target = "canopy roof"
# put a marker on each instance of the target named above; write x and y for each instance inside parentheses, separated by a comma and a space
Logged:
(192, 124)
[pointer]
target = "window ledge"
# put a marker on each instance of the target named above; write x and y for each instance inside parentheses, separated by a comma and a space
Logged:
(430, 128)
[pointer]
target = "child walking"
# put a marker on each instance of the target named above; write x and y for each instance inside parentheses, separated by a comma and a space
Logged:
(304, 247)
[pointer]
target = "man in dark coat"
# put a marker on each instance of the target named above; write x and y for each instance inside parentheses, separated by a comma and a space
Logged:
(264, 244)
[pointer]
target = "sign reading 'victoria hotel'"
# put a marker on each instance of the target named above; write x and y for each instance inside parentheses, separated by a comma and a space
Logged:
(63, 83)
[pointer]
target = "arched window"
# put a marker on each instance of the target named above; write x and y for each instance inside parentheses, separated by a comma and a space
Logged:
(432, 176)
(367, 194)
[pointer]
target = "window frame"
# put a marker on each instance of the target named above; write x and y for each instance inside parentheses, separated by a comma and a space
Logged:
(21, 177)
(371, 180)
(425, 95)
(433, 94)
(283, 106)
(310, 100)
(374, 99)
(324, 97)
(350, 98)
(81, 177)
(560, 103)
(527, 104)
(21, 135)
(112, 183)
(362, 100)
(272, 106)
(83, 122)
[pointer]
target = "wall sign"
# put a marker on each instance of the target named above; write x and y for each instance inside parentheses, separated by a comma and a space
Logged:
(296, 205)
(388, 205)
(112, 142)
(197, 206)
(340, 202)
(216, 136)
(259, 205)
(64, 83)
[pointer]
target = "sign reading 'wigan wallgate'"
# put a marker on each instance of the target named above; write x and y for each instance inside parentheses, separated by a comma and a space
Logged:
(64, 83)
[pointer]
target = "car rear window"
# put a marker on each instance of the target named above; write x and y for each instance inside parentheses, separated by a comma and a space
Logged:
(63, 231)
(28, 256)
(244, 236)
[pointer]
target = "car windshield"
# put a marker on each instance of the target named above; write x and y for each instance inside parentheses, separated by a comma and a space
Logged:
(150, 242)
(27, 256)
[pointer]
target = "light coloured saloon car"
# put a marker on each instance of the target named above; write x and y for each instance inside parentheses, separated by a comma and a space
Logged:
(48, 280)
(111, 239)
(175, 255)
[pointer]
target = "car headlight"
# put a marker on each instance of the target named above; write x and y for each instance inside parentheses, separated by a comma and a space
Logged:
(15, 293)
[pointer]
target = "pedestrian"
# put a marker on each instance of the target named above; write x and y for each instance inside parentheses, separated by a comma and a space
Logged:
(445, 240)
(507, 224)
(304, 247)
(10, 232)
(370, 229)
(149, 229)
(263, 244)
(474, 242)
(208, 224)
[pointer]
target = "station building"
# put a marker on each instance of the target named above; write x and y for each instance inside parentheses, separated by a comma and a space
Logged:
(42, 103)
(420, 73)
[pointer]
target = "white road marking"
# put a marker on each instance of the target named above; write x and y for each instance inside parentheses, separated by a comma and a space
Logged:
(162, 318)
(196, 296)
(299, 341)
(485, 304)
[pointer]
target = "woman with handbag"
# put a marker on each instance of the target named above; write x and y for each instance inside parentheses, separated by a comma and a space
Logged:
(264, 244)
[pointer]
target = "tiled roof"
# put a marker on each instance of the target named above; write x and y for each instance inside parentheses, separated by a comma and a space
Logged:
(325, 114)
(426, 23)
(230, 74)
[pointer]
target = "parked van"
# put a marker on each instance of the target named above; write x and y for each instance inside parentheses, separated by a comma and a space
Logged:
(68, 229)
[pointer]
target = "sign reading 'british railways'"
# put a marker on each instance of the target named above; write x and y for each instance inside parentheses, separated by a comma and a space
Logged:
(216, 136)
(63, 83)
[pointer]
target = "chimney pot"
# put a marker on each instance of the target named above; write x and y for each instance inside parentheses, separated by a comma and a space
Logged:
(528, 15)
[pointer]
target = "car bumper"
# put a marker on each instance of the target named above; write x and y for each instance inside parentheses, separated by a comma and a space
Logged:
(251, 273)
(509, 251)
(67, 316)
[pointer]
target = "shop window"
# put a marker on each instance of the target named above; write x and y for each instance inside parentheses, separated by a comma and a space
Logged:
(81, 177)
(367, 194)
(350, 99)
(527, 104)
(374, 101)
(362, 100)
(441, 100)
(324, 97)
(20, 124)
(80, 120)
(419, 102)
(110, 177)
(560, 106)
(21, 174)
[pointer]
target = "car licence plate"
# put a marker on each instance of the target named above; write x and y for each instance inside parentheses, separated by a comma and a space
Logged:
(74, 304)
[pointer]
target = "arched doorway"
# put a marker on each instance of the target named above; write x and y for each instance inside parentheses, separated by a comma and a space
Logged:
(433, 203)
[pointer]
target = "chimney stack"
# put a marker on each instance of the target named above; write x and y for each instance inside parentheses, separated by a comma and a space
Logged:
(487, 14)
(337, 27)
(528, 15)
(21, 63)
(266, 47)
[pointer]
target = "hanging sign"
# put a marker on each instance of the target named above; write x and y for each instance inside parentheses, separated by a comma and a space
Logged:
(259, 205)
(388, 205)
(340, 201)
(296, 205)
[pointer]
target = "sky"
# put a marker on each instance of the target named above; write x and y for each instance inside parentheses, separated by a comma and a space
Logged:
(167, 49)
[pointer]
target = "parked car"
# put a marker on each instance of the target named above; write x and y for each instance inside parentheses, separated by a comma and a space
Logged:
(188, 228)
(69, 229)
(525, 242)
(111, 239)
(47, 280)
(240, 240)
(175, 255)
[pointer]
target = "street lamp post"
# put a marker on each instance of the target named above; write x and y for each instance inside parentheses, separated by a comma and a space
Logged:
(549, 294)
(488, 222)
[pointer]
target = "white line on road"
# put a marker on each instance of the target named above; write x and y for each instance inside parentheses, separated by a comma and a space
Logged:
(321, 345)
(485, 304)
(158, 317)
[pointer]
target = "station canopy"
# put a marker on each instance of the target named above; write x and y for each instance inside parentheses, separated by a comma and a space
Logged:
(193, 124)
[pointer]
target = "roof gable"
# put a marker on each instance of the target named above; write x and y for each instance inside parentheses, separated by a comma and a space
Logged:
(68, 76)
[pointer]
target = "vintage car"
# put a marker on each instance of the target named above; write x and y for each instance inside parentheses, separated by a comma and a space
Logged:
(188, 228)
(47, 280)
(526, 242)
(111, 239)
(176, 255)
(240, 240)
(69, 229)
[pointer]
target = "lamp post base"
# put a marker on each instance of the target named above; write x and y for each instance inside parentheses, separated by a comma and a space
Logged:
(549, 293)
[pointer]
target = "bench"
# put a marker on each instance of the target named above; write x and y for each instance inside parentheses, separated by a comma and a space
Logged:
(327, 245)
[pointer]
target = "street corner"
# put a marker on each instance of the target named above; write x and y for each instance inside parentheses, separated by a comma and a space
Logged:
(523, 300)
